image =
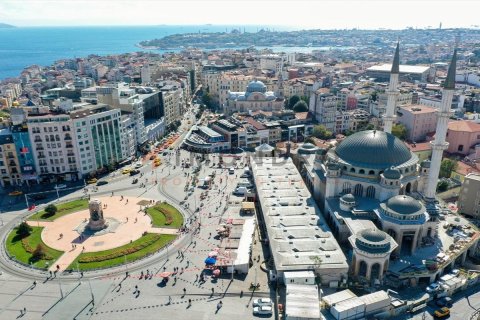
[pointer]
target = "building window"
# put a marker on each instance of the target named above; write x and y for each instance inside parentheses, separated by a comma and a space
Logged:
(460, 147)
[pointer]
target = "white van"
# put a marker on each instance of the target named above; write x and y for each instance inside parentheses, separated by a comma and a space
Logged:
(231, 171)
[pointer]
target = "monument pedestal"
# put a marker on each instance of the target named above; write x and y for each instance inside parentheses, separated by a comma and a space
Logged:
(96, 222)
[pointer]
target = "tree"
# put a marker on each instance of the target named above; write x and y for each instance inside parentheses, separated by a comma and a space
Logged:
(24, 230)
(207, 99)
(442, 186)
(446, 168)
(300, 106)
(51, 209)
(292, 101)
(316, 265)
(39, 252)
(321, 132)
(399, 131)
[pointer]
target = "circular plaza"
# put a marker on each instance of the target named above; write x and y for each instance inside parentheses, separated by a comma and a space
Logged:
(103, 232)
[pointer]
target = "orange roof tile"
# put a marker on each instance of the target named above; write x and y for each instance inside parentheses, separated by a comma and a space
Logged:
(464, 125)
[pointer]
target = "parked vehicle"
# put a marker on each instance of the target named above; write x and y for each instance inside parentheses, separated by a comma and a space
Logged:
(101, 183)
(126, 171)
(241, 191)
(15, 193)
(39, 196)
(444, 302)
(262, 310)
(432, 288)
(441, 313)
(262, 302)
(91, 181)
(60, 186)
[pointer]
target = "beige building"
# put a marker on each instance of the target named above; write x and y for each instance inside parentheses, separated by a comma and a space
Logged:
(418, 119)
(9, 165)
(469, 198)
(255, 98)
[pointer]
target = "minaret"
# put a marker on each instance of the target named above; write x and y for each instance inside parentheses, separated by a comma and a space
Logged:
(439, 144)
(392, 92)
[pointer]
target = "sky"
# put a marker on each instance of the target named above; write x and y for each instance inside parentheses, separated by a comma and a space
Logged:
(300, 14)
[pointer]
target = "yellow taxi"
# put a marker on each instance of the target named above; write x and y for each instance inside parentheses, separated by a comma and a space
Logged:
(442, 312)
(91, 181)
(126, 171)
(15, 193)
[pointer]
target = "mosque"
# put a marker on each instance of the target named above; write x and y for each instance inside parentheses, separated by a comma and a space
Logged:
(375, 193)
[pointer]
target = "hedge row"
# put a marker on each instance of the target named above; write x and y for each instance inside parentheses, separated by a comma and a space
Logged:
(26, 245)
(120, 253)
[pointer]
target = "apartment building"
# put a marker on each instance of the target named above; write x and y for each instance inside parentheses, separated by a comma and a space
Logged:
(469, 197)
(101, 139)
(418, 119)
(324, 108)
(10, 174)
(53, 145)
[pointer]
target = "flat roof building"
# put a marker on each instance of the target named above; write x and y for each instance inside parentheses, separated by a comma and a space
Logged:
(407, 72)
(299, 237)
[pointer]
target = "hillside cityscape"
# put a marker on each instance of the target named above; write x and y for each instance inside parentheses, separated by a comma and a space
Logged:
(310, 174)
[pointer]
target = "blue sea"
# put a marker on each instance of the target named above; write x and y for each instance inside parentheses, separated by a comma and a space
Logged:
(25, 46)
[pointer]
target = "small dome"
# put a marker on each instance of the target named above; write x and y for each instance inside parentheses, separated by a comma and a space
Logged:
(264, 148)
(392, 173)
(373, 241)
(373, 235)
(348, 198)
(256, 86)
(425, 164)
(307, 148)
(404, 205)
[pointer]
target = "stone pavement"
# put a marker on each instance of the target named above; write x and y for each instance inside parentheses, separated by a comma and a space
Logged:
(63, 233)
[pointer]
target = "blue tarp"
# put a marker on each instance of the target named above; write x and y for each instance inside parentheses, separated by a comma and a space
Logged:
(210, 260)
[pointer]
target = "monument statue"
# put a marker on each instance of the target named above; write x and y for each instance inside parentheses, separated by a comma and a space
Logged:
(96, 222)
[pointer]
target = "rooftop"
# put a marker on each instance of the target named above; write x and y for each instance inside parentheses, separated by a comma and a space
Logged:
(418, 109)
(464, 126)
(387, 67)
(295, 226)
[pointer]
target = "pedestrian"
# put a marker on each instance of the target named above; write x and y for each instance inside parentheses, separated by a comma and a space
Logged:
(24, 310)
(169, 300)
(189, 302)
(219, 305)
(213, 291)
(184, 291)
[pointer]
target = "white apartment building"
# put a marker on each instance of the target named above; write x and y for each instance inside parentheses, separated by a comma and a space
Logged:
(324, 108)
(100, 137)
(53, 144)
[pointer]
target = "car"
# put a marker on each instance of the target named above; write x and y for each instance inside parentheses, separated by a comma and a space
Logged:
(134, 172)
(92, 181)
(455, 272)
(262, 310)
(101, 183)
(441, 313)
(444, 302)
(15, 193)
(126, 171)
(434, 287)
(231, 171)
(262, 302)
(138, 165)
(60, 186)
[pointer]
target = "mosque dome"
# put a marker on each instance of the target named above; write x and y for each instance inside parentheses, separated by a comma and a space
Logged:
(307, 148)
(256, 86)
(404, 205)
(373, 149)
(392, 173)
(348, 198)
(373, 241)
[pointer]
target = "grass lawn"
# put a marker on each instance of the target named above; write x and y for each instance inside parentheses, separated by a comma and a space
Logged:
(159, 218)
(163, 240)
(63, 209)
(16, 249)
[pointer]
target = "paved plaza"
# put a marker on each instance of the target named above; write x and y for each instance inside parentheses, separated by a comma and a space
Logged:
(116, 296)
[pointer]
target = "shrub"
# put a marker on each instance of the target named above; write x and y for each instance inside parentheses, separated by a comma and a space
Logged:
(24, 230)
(50, 210)
(39, 252)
